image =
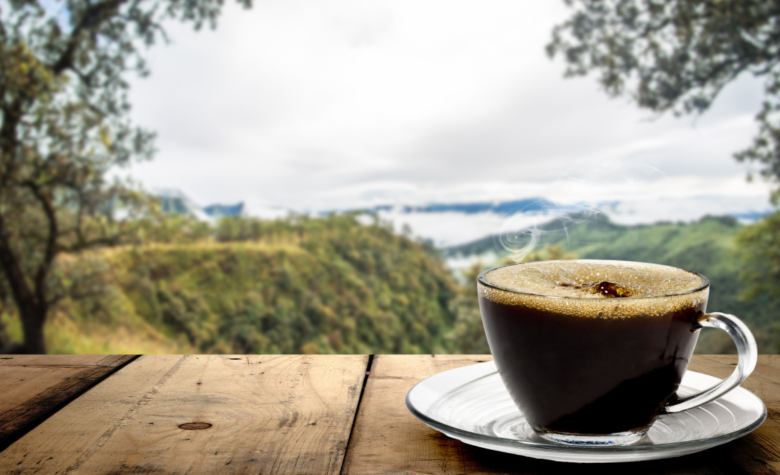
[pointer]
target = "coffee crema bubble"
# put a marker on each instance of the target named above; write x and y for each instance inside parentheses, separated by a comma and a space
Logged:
(595, 288)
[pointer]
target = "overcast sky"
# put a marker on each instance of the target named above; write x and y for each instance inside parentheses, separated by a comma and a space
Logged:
(343, 104)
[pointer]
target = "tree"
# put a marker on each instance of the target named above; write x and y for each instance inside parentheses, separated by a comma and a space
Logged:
(63, 125)
(759, 247)
(678, 55)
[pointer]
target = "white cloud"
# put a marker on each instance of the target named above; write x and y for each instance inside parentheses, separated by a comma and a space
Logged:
(342, 104)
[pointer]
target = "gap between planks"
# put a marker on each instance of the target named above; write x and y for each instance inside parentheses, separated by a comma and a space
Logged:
(357, 410)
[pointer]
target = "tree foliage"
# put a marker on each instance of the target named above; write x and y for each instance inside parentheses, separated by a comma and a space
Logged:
(678, 55)
(63, 125)
(297, 285)
(759, 247)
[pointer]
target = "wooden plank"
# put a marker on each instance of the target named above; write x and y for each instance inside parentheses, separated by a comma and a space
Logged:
(36, 386)
(388, 439)
(63, 360)
(203, 414)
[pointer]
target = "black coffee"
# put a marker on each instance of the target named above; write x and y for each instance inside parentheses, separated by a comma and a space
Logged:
(593, 359)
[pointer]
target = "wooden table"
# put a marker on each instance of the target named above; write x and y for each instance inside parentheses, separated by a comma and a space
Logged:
(284, 414)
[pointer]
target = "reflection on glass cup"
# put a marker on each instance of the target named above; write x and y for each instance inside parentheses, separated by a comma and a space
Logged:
(592, 351)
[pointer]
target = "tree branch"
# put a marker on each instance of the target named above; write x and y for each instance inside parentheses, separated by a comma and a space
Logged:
(8, 139)
(50, 251)
(13, 269)
(91, 17)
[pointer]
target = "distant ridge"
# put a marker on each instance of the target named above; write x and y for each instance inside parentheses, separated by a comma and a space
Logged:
(570, 228)
(528, 205)
(751, 216)
(218, 211)
(488, 243)
(435, 220)
(176, 202)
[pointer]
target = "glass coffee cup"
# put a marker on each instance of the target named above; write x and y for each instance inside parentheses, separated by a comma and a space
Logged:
(593, 351)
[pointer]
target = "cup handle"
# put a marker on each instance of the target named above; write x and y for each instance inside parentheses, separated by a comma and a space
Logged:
(748, 355)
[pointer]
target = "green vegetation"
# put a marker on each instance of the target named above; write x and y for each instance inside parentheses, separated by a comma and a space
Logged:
(299, 285)
(678, 55)
(707, 246)
(64, 126)
(93, 259)
(333, 285)
(759, 247)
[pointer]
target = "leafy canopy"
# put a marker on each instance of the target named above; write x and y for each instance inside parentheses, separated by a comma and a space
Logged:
(678, 55)
(63, 125)
(759, 247)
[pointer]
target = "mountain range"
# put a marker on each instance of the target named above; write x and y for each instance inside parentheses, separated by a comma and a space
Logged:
(176, 202)
(448, 224)
(528, 205)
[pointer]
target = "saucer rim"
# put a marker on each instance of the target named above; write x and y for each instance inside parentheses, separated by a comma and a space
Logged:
(457, 433)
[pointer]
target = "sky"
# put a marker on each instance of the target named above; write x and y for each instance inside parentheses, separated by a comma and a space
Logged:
(343, 104)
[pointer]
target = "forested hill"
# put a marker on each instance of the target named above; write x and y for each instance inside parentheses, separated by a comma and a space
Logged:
(597, 234)
(706, 246)
(326, 285)
(334, 285)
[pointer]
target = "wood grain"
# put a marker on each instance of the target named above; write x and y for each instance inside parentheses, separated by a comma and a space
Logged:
(270, 414)
(388, 439)
(36, 386)
(759, 451)
(247, 414)
(64, 360)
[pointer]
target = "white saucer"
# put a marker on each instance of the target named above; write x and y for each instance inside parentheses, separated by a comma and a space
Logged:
(472, 405)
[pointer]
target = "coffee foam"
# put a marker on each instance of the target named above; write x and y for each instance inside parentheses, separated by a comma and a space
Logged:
(567, 287)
